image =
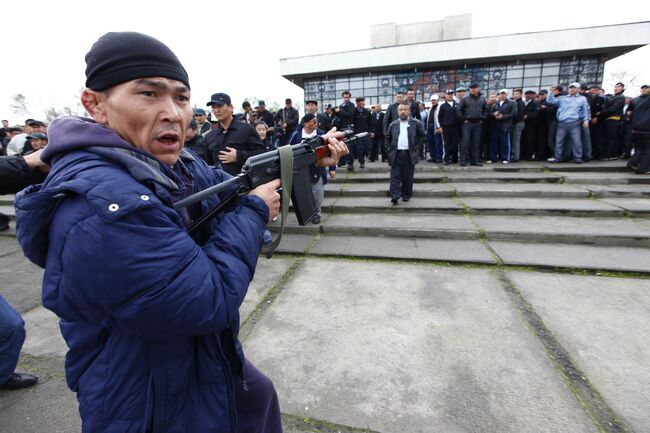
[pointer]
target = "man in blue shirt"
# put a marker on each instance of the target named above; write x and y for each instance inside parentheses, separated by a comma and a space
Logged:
(572, 113)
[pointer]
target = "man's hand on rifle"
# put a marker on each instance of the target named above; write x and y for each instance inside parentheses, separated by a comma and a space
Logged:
(268, 192)
(337, 149)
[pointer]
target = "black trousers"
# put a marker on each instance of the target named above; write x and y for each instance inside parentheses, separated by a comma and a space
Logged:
(377, 148)
(641, 158)
(597, 140)
(450, 136)
(612, 138)
(471, 142)
(401, 176)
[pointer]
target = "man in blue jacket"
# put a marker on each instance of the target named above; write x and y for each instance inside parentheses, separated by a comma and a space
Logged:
(150, 316)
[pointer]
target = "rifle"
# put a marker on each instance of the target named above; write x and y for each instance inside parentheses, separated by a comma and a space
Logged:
(265, 167)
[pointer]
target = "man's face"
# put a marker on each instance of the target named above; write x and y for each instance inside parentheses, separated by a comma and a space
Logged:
(288, 105)
(474, 91)
(541, 97)
(492, 98)
(222, 111)
(645, 90)
(573, 91)
(449, 97)
(434, 102)
(503, 96)
(310, 126)
(152, 114)
(328, 110)
(312, 108)
(529, 96)
(5, 124)
(460, 94)
(399, 98)
(517, 94)
(404, 111)
(361, 104)
(410, 95)
(200, 118)
(38, 143)
(594, 91)
(346, 98)
(618, 89)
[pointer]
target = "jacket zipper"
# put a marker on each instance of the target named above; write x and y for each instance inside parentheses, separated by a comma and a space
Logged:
(229, 385)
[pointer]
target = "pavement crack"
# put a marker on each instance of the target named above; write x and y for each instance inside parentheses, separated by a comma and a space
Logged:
(307, 424)
(603, 416)
(248, 325)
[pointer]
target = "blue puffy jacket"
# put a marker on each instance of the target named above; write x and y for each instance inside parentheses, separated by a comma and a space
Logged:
(150, 317)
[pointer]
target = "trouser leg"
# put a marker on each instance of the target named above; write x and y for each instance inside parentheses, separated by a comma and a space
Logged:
(560, 137)
(516, 140)
(576, 140)
(466, 133)
(552, 135)
(408, 171)
(476, 142)
(318, 191)
(586, 142)
(12, 337)
(257, 406)
(396, 176)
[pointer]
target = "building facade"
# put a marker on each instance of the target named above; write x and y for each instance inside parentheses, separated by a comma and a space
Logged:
(523, 74)
(433, 57)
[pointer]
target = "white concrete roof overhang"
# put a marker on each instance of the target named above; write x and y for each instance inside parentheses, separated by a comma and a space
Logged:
(610, 41)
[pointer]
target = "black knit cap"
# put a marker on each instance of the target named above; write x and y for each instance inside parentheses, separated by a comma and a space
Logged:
(118, 57)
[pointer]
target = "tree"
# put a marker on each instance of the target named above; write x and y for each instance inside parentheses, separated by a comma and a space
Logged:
(625, 77)
(51, 114)
(19, 104)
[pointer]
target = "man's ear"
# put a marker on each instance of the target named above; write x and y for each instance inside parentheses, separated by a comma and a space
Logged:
(93, 102)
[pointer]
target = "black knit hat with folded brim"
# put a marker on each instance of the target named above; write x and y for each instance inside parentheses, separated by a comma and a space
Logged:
(118, 57)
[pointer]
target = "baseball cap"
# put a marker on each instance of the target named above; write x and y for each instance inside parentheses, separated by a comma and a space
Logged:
(576, 85)
(199, 112)
(219, 99)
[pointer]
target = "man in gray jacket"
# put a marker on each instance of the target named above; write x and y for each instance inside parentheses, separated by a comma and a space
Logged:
(404, 139)
(473, 110)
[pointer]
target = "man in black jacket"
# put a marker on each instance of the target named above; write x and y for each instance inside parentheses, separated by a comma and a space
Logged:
(231, 143)
(391, 111)
(323, 121)
(413, 104)
(287, 120)
(404, 139)
(518, 126)
(530, 115)
(361, 124)
(503, 112)
(473, 110)
(612, 114)
(263, 114)
(377, 134)
(448, 120)
(345, 112)
(640, 125)
(548, 113)
(596, 130)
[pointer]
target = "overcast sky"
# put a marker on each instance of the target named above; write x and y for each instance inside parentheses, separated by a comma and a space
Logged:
(235, 46)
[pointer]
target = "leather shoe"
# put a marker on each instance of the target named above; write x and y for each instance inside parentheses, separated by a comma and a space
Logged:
(315, 220)
(19, 380)
(476, 164)
(406, 198)
(394, 201)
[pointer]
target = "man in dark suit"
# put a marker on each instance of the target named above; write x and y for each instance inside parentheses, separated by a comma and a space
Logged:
(413, 104)
(287, 120)
(323, 121)
(391, 111)
(448, 120)
(404, 139)
(503, 112)
(361, 124)
(377, 134)
(530, 115)
(612, 114)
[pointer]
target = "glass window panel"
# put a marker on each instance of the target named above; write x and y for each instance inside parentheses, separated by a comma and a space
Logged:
(515, 73)
(532, 83)
(532, 71)
(497, 74)
(515, 65)
(513, 83)
(370, 83)
(329, 95)
(370, 93)
(551, 70)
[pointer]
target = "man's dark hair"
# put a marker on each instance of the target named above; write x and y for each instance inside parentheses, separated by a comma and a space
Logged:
(346, 92)
(245, 104)
(410, 89)
(400, 93)
(620, 84)
(517, 90)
